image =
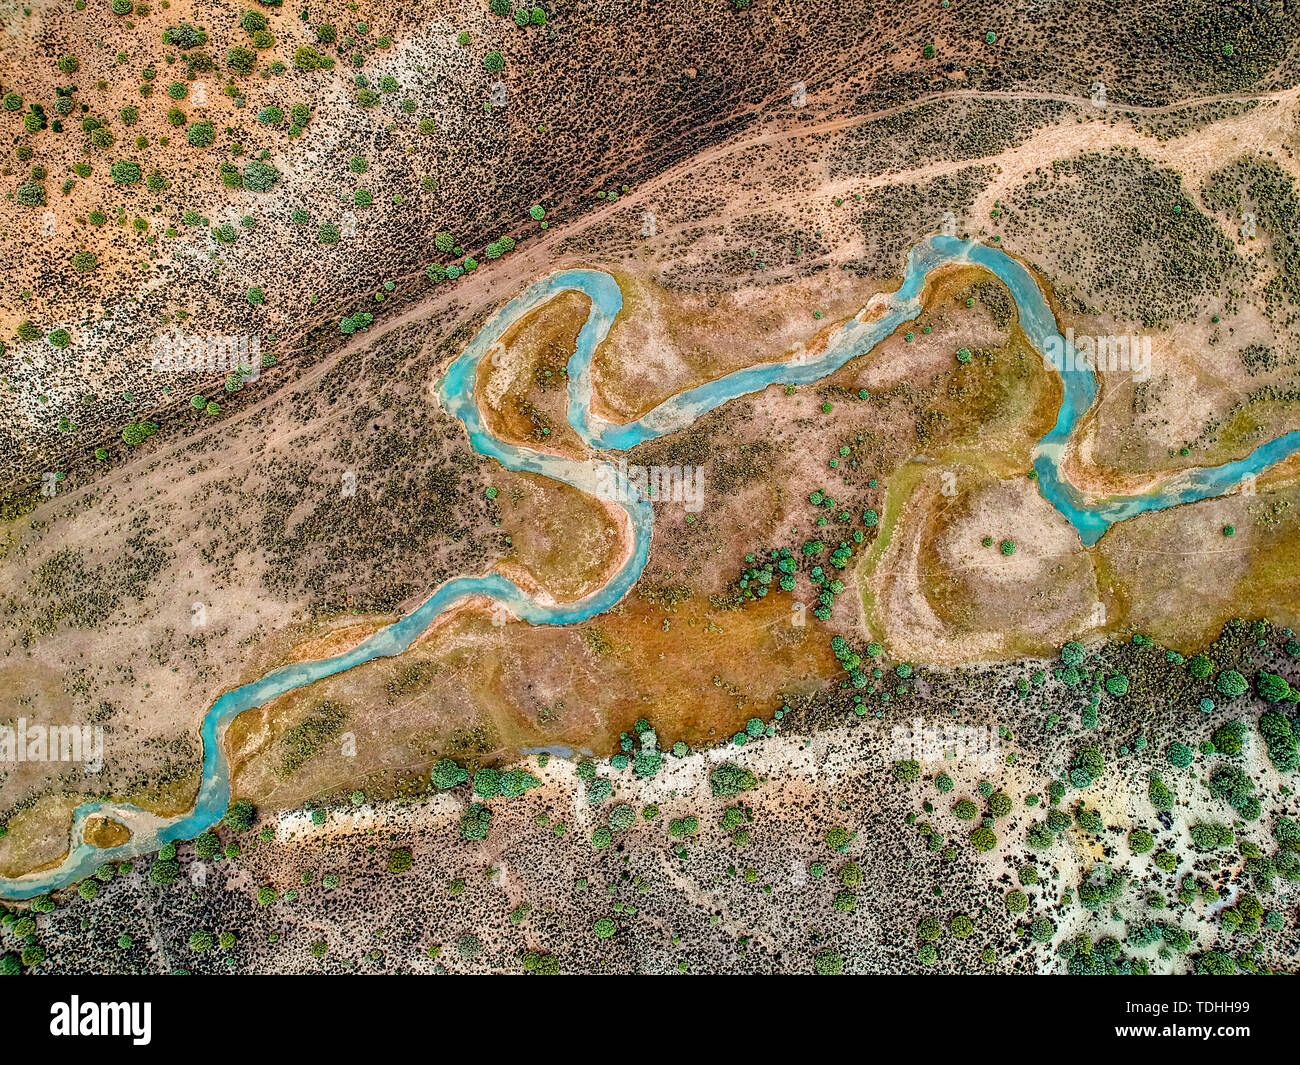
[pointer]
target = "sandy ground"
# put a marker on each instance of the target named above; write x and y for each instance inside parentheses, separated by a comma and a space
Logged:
(630, 383)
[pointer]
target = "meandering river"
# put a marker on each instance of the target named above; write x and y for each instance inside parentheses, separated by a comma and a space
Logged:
(456, 392)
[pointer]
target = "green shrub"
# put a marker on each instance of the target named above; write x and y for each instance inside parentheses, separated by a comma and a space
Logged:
(1208, 837)
(1199, 666)
(728, 779)
(1275, 689)
(184, 36)
(474, 823)
(907, 770)
(125, 172)
(1279, 736)
(241, 60)
(1042, 930)
(1231, 684)
(164, 871)
(1159, 794)
(307, 58)
(1229, 738)
(260, 176)
(31, 194)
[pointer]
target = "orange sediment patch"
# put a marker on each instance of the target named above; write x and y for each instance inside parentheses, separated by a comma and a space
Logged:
(522, 385)
(104, 832)
(482, 692)
(566, 544)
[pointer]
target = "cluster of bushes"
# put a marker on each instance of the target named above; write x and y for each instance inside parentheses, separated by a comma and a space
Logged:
(523, 16)
(728, 779)
(260, 176)
(184, 36)
(137, 432)
(1088, 766)
(489, 783)
(1208, 837)
(475, 821)
(308, 59)
(357, 322)
(1279, 737)
(1230, 783)
(1103, 885)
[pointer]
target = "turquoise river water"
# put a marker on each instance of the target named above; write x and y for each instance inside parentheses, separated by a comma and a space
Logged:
(456, 393)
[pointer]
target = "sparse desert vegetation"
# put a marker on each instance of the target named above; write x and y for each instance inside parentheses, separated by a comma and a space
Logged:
(244, 244)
